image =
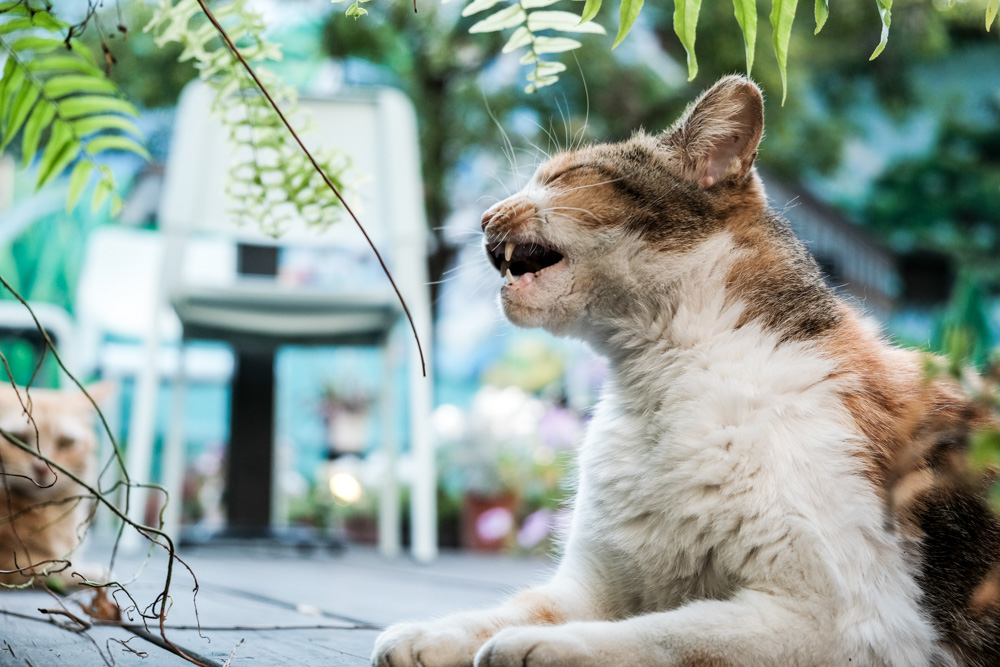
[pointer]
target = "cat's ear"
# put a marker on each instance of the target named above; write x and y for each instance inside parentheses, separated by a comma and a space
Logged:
(100, 392)
(719, 133)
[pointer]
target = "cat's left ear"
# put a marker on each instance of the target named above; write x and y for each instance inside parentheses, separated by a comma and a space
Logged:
(719, 133)
(101, 392)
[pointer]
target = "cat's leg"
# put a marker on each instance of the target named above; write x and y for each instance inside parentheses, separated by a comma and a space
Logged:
(453, 641)
(751, 629)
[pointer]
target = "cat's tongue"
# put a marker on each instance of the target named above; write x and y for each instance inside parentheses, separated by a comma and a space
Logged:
(521, 281)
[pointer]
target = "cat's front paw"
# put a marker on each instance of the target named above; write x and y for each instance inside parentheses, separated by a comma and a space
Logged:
(426, 645)
(543, 646)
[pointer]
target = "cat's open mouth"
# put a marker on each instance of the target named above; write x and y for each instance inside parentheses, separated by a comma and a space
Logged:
(521, 261)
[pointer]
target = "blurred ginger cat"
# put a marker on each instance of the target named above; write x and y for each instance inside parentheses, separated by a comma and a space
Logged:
(765, 481)
(41, 520)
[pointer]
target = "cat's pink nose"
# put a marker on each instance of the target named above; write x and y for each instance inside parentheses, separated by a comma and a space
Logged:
(42, 474)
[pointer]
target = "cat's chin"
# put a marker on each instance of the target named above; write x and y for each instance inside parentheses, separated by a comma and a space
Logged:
(544, 299)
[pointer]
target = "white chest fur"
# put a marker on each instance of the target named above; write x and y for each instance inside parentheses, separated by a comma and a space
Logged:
(719, 460)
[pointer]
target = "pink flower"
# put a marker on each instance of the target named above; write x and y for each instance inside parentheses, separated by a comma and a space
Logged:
(535, 528)
(494, 524)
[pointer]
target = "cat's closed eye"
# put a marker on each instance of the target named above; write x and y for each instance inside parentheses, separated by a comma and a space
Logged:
(65, 442)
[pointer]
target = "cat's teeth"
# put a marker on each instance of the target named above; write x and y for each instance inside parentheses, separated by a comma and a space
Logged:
(509, 250)
(510, 278)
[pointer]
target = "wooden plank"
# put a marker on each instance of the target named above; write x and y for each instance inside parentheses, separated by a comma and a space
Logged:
(331, 647)
(366, 587)
(26, 642)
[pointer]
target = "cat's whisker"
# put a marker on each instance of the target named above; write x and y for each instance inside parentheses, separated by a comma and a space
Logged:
(508, 147)
(594, 185)
(572, 208)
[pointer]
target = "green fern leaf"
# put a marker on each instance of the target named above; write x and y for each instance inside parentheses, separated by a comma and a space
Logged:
(19, 110)
(77, 182)
(53, 90)
(521, 37)
(85, 105)
(782, 16)
(590, 10)
(686, 27)
(477, 6)
(37, 44)
(885, 13)
(746, 16)
(505, 18)
(102, 190)
(627, 15)
(822, 14)
(561, 21)
(90, 124)
(545, 44)
(57, 62)
(43, 19)
(115, 142)
(12, 83)
(16, 24)
(68, 84)
(39, 119)
(60, 150)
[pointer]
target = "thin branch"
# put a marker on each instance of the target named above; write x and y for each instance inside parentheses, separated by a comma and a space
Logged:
(326, 179)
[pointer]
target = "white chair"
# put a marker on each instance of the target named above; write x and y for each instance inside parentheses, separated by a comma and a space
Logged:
(377, 128)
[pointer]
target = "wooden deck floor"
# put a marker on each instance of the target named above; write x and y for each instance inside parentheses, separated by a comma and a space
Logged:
(265, 605)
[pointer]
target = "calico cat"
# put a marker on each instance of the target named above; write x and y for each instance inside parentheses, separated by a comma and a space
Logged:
(765, 481)
(41, 519)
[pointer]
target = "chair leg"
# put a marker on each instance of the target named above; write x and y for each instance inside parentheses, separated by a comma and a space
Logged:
(174, 449)
(389, 542)
(142, 433)
(423, 489)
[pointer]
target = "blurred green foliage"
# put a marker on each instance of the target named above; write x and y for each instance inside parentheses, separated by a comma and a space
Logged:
(947, 200)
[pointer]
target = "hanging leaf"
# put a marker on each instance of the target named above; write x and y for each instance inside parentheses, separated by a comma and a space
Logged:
(686, 25)
(991, 13)
(782, 16)
(746, 16)
(60, 150)
(549, 68)
(68, 84)
(84, 105)
(545, 44)
(535, 4)
(822, 13)
(885, 13)
(521, 37)
(627, 15)
(90, 124)
(54, 95)
(39, 119)
(590, 10)
(19, 110)
(477, 6)
(505, 18)
(280, 171)
(116, 142)
(77, 182)
(102, 190)
(562, 21)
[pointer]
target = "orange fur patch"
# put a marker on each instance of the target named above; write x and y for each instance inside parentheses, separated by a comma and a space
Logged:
(538, 609)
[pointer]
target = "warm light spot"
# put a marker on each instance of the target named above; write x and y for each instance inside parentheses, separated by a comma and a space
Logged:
(344, 486)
